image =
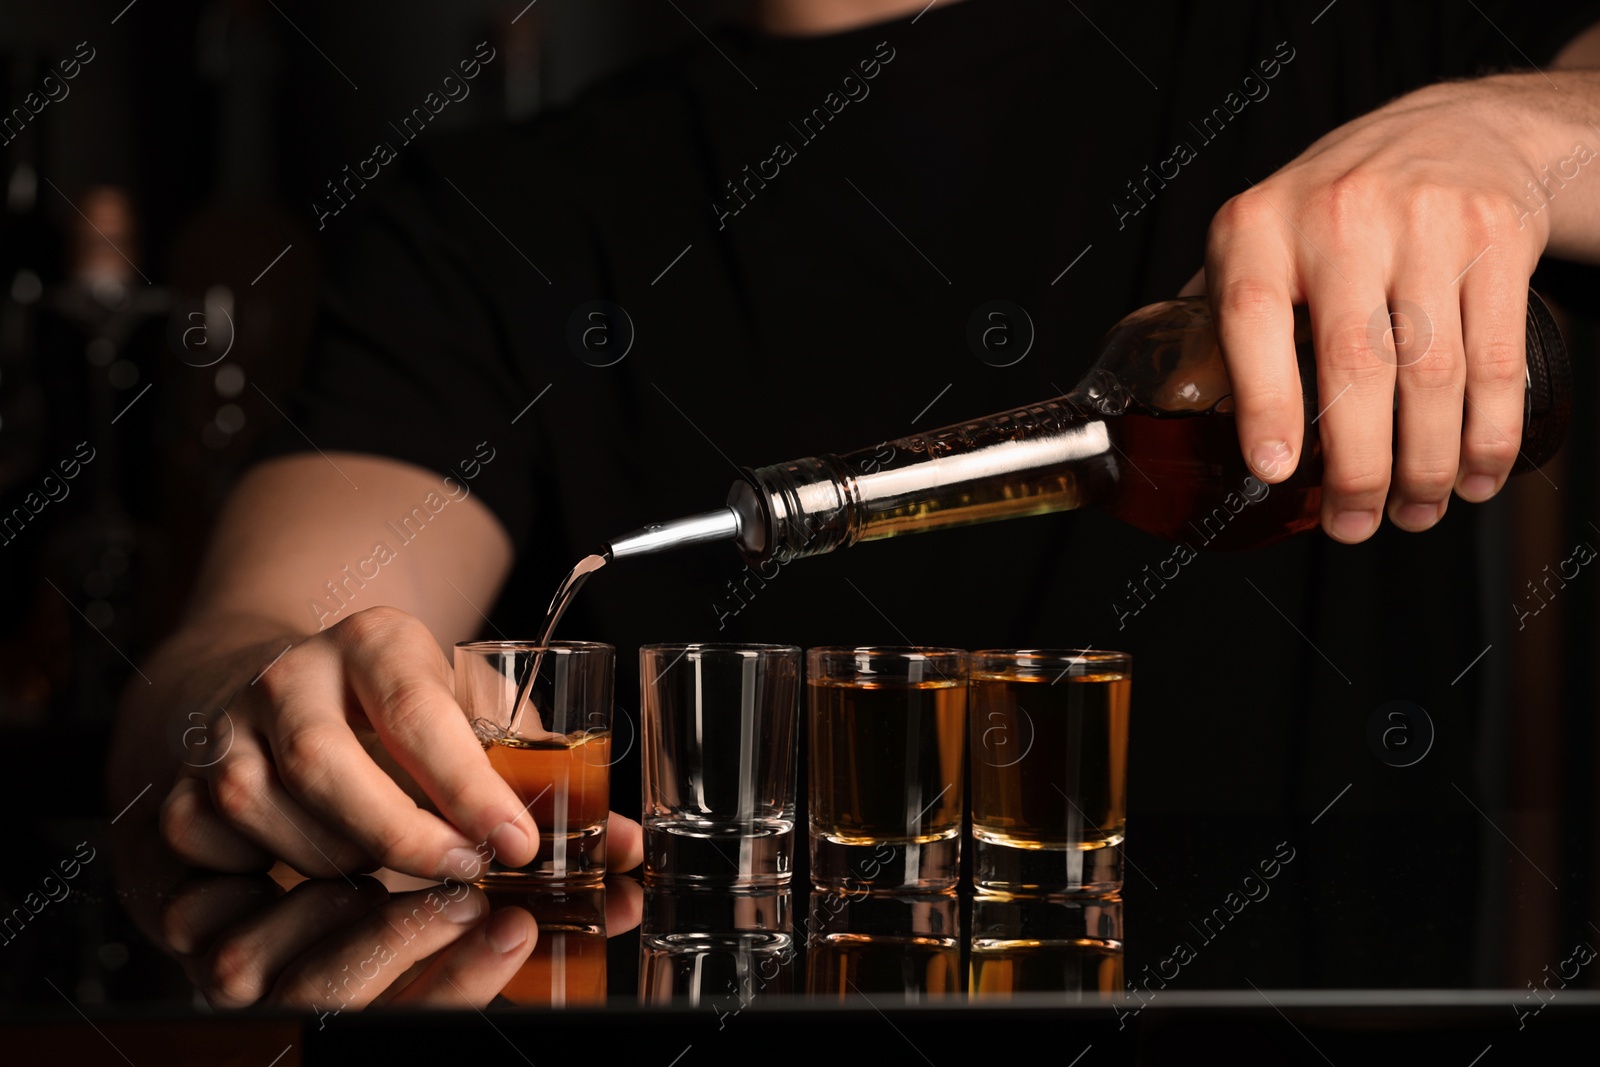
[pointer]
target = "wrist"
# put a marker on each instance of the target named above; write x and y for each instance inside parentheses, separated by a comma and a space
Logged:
(192, 674)
(1550, 122)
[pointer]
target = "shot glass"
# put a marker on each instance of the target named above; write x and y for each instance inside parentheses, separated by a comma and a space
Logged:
(888, 729)
(906, 945)
(1049, 770)
(567, 967)
(723, 947)
(718, 731)
(1069, 946)
(554, 752)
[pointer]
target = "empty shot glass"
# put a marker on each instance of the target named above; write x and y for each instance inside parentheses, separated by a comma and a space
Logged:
(723, 947)
(1049, 769)
(719, 724)
(888, 733)
(554, 752)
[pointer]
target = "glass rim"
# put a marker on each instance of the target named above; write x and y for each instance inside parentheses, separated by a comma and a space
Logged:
(566, 648)
(1076, 655)
(751, 648)
(909, 653)
(829, 665)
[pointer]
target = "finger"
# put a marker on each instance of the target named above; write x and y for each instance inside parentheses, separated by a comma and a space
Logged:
(352, 967)
(245, 791)
(624, 844)
(1356, 380)
(1494, 315)
(246, 961)
(329, 771)
(476, 968)
(1431, 371)
(401, 678)
(1252, 279)
(199, 909)
(199, 836)
(624, 905)
(1195, 286)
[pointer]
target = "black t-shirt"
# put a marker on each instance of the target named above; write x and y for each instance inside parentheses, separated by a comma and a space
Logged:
(885, 184)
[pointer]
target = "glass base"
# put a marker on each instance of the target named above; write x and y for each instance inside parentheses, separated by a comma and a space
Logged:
(679, 852)
(575, 858)
(887, 866)
(1007, 869)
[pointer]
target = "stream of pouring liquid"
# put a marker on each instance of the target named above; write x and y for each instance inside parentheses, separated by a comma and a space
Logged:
(558, 605)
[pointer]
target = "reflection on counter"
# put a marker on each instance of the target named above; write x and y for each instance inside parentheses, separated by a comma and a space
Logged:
(1046, 946)
(568, 965)
(730, 944)
(335, 945)
(904, 945)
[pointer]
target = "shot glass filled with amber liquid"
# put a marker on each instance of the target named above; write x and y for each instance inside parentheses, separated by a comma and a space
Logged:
(1049, 769)
(1071, 947)
(543, 714)
(567, 967)
(861, 944)
(886, 732)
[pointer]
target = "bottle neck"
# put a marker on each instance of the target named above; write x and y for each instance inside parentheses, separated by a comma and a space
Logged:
(1045, 457)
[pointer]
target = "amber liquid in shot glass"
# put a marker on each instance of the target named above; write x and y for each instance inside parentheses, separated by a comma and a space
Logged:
(1049, 770)
(543, 716)
(887, 729)
(565, 783)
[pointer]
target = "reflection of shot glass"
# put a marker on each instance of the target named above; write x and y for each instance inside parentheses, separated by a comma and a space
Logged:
(1049, 769)
(1046, 946)
(555, 752)
(723, 947)
(567, 966)
(879, 943)
(719, 763)
(887, 731)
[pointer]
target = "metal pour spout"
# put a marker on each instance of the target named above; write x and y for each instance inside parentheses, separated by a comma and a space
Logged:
(724, 524)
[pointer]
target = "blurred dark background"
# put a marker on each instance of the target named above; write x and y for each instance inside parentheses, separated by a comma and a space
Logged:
(158, 267)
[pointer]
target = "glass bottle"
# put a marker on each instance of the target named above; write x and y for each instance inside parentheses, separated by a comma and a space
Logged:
(1148, 436)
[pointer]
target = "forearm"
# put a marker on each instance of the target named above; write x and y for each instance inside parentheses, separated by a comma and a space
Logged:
(296, 550)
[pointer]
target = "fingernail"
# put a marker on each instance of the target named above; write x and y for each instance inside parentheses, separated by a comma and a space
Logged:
(509, 839)
(466, 910)
(1355, 525)
(1270, 459)
(505, 932)
(1417, 516)
(461, 863)
(1477, 487)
